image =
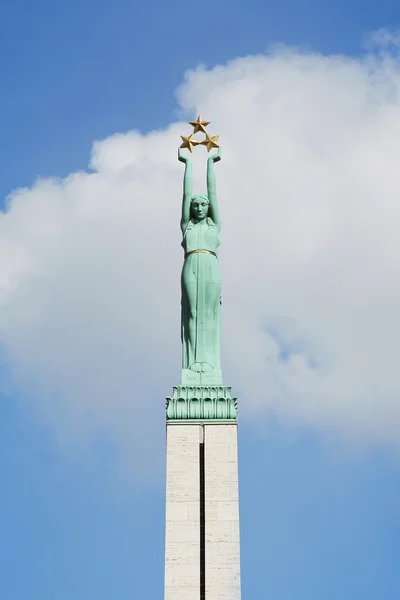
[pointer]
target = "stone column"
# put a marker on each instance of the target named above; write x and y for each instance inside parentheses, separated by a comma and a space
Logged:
(222, 543)
(182, 530)
(202, 546)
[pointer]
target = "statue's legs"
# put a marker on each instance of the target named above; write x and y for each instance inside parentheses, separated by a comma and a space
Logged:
(207, 325)
(201, 290)
(189, 315)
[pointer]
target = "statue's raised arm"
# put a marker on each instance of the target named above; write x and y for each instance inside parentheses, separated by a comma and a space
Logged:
(187, 190)
(212, 188)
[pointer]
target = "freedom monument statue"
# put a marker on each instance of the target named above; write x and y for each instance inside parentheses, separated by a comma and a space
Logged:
(201, 277)
(202, 544)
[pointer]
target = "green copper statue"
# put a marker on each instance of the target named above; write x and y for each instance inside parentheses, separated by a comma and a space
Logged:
(201, 397)
(201, 279)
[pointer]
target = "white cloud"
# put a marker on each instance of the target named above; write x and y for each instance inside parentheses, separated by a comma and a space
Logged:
(309, 191)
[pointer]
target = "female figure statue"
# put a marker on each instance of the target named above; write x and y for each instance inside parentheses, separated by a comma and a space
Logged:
(201, 278)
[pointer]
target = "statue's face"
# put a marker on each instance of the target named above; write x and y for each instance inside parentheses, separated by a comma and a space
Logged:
(199, 208)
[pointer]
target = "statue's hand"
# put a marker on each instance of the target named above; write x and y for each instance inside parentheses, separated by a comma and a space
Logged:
(216, 157)
(182, 157)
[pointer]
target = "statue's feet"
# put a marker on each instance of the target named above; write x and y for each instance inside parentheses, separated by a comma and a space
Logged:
(206, 368)
(201, 367)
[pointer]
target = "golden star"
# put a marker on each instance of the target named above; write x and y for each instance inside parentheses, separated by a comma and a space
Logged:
(199, 125)
(188, 141)
(210, 142)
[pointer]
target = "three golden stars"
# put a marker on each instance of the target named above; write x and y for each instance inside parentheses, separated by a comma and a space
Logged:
(189, 141)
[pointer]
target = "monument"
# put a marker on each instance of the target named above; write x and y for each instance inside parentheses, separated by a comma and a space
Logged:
(202, 546)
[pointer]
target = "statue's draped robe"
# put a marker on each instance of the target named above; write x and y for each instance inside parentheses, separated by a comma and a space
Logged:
(201, 297)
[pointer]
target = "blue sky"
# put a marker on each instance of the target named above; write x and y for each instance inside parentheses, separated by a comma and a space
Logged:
(320, 515)
(81, 71)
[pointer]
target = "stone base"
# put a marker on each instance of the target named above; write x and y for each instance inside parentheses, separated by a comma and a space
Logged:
(202, 543)
(222, 537)
(182, 527)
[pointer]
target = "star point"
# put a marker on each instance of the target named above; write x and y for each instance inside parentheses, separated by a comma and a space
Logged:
(199, 125)
(188, 141)
(210, 142)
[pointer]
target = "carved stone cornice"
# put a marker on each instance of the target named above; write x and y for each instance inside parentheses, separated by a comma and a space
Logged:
(201, 403)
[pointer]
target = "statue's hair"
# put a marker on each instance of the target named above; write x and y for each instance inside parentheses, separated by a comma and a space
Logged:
(199, 197)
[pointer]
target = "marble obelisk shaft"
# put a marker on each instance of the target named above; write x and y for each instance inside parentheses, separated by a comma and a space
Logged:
(182, 526)
(202, 544)
(222, 538)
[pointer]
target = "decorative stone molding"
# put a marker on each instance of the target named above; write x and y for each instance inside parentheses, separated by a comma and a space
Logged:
(201, 403)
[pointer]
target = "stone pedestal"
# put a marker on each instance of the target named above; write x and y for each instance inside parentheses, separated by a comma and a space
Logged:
(202, 546)
(182, 526)
(222, 542)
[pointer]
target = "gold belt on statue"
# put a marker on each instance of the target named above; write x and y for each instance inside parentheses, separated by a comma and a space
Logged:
(197, 251)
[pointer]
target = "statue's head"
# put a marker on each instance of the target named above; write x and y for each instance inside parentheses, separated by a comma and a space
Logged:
(199, 206)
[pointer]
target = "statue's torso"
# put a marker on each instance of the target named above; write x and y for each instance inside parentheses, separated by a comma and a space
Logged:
(201, 236)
